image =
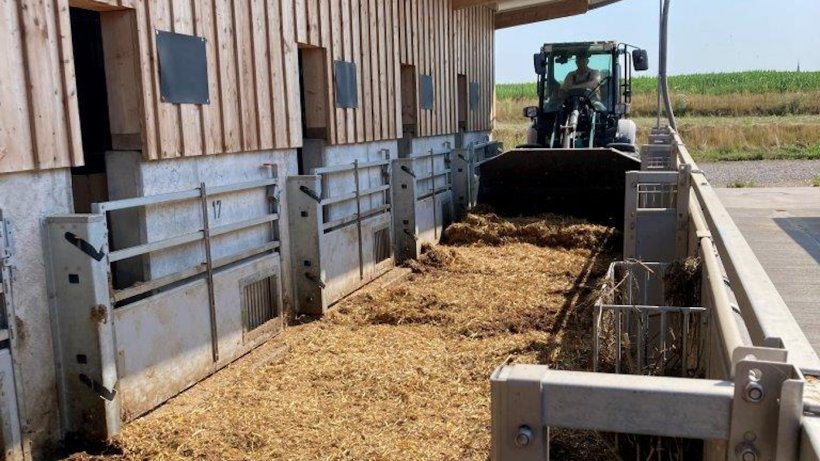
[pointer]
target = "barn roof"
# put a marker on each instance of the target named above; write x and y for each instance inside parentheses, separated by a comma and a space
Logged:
(511, 13)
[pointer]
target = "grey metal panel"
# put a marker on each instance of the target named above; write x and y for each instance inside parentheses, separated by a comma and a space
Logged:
(426, 92)
(347, 92)
(403, 199)
(340, 262)
(164, 342)
(12, 405)
(462, 184)
(84, 333)
(9, 420)
(183, 68)
(656, 223)
(305, 218)
(475, 95)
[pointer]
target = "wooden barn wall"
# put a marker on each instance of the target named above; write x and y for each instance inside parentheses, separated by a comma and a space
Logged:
(39, 118)
(252, 49)
(444, 43)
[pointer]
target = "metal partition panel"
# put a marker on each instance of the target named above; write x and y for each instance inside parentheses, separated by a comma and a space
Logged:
(336, 252)
(163, 342)
(656, 222)
(86, 354)
(463, 183)
(305, 218)
(158, 334)
(404, 209)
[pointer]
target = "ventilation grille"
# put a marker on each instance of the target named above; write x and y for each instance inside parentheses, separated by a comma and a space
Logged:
(381, 244)
(260, 303)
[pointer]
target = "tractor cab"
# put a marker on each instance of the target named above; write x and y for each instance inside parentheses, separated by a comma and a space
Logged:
(584, 93)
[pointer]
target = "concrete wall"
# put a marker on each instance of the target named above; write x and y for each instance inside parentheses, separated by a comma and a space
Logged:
(27, 198)
(130, 176)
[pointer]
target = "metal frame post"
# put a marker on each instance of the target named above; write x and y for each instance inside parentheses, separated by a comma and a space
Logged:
(209, 270)
(305, 218)
(403, 202)
(84, 327)
(12, 407)
(462, 183)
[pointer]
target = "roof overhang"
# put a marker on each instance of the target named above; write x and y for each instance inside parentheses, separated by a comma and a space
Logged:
(510, 13)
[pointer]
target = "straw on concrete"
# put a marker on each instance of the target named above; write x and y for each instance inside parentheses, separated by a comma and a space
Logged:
(399, 373)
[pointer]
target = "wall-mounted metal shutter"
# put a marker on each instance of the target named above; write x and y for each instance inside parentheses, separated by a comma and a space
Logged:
(427, 96)
(475, 95)
(347, 91)
(183, 68)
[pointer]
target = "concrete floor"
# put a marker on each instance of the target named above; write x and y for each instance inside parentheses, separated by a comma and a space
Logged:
(782, 225)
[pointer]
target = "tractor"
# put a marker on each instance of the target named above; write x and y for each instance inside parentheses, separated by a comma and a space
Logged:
(581, 141)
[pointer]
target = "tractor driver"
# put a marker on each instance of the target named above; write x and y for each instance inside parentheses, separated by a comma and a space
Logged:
(584, 78)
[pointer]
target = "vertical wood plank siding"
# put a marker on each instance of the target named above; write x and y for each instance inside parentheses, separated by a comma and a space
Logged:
(252, 49)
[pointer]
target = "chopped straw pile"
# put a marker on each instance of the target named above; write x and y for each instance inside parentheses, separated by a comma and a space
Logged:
(402, 372)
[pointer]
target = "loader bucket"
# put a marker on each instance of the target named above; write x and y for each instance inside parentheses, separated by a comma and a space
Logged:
(587, 183)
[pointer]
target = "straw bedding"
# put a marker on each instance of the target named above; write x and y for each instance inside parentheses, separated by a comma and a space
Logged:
(402, 372)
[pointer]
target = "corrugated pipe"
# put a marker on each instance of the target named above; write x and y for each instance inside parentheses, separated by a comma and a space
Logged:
(663, 82)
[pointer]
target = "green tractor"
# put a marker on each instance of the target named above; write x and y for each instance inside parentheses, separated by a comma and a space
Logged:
(581, 141)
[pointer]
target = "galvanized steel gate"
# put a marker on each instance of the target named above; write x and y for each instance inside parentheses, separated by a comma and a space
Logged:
(123, 351)
(340, 230)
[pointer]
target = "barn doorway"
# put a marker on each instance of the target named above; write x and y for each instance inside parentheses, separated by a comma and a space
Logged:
(108, 95)
(314, 93)
(409, 109)
(89, 182)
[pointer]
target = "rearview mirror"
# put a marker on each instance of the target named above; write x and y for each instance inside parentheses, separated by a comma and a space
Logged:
(530, 112)
(539, 61)
(640, 60)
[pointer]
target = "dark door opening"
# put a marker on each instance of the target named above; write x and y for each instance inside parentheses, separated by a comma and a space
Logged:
(409, 109)
(89, 182)
(314, 92)
(462, 103)
(463, 109)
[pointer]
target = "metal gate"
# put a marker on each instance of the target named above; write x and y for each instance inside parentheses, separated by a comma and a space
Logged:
(12, 414)
(339, 220)
(423, 201)
(123, 351)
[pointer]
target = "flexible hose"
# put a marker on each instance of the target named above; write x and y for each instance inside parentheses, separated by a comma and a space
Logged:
(662, 77)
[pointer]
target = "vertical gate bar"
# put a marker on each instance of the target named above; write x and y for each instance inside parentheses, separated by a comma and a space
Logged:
(618, 341)
(206, 231)
(663, 338)
(359, 219)
(685, 345)
(640, 342)
(433, 186)
(7, 298)
(596, 341)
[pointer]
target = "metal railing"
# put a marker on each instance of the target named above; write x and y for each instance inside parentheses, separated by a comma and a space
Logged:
(204, 236)
(766, 316)
(357, 168)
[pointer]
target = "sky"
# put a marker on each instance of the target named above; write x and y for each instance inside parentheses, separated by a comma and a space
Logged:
(704, 35)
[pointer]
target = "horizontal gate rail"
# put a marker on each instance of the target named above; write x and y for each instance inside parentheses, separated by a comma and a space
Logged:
(356, 168)
(204, 235)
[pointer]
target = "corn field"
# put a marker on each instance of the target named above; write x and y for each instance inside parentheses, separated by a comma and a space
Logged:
(752, 82)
